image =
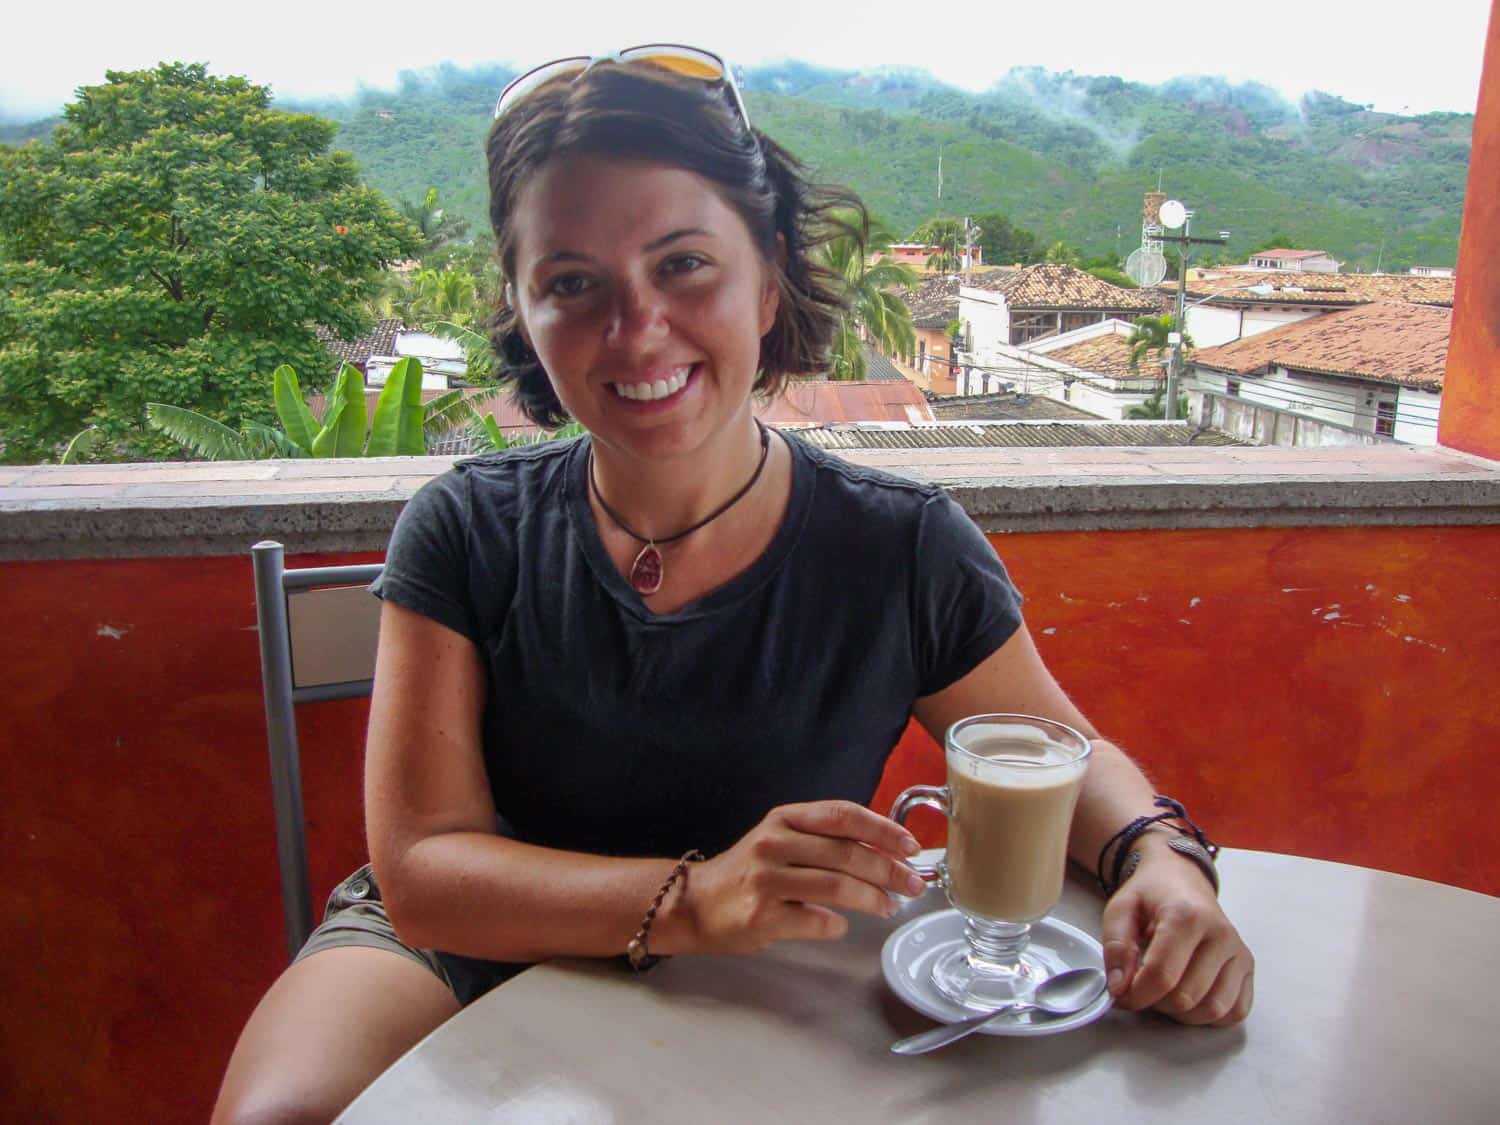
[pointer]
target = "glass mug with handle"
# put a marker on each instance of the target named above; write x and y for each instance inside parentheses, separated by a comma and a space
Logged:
(1013, 782)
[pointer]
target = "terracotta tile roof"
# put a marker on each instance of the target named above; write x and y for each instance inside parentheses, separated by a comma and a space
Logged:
(934, 303)
(1049, 433)
(1107, 354)
(811, 402)
(380, 341)
(1391, 343)
(1340, 290)
(1051, 285)
(1006, 406)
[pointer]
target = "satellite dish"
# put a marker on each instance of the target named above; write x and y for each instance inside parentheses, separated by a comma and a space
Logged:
(1173, 214)
(1146, 267)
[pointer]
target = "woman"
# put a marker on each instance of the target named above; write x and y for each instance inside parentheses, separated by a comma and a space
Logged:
(680, 632)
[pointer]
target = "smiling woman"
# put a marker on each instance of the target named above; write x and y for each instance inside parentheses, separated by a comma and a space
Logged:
(635, 691)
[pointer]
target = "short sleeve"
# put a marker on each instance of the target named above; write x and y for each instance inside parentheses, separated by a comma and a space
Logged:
(427, 561)
(965, 605)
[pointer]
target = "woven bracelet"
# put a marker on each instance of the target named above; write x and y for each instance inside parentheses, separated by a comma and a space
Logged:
(636, 952)
(1190, 842)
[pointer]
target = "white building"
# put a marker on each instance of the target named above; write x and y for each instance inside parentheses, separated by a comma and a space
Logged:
(1295, 261)
(1371, 373)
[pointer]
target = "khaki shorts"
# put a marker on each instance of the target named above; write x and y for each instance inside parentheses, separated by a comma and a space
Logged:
(356, 916)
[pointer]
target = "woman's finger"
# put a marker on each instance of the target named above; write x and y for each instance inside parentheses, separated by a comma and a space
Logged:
(1174, 940)
(860, 861)
(852, 822)
(1243, 1003)
(1198, 980)
(802, 921)
(818, 887)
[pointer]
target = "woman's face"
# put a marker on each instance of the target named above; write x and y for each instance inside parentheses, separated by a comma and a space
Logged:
(642, 293)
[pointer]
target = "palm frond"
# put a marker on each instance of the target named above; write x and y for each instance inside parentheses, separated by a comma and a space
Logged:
(267, 442)
(200, 433)
(83, 441)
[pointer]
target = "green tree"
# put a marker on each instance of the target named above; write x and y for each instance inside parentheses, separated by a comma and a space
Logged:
(876, 310)
(1004, 243)
(1155, 407)
(437, 226)
(1062, 254)
(1152, 335)
(948, 236)
(175, 238)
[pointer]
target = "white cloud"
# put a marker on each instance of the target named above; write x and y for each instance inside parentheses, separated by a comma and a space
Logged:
(1342, 46)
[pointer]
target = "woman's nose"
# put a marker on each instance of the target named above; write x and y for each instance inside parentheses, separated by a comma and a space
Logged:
(638, 318)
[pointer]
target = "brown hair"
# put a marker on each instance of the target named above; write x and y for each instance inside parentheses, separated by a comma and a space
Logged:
(641, 112)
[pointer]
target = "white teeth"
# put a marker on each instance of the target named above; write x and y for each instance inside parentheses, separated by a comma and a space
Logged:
(660, 388)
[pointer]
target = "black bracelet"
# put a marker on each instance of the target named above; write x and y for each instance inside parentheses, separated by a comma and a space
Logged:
(1190, 842)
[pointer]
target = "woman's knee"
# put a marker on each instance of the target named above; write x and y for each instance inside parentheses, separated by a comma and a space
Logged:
(326, 1029)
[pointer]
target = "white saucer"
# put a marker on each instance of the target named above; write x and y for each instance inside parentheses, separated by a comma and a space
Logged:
(907, 956)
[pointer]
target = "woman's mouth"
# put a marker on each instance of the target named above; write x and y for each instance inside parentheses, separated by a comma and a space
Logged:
(666, 386)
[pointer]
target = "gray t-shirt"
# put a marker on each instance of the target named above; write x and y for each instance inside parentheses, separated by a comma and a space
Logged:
(611, 730)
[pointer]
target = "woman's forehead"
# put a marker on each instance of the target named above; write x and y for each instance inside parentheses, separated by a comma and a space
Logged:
(588, 205)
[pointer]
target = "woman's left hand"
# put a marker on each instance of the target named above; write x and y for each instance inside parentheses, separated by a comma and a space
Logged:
(1169, 945)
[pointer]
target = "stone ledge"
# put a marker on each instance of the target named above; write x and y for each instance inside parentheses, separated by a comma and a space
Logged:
(182, 509)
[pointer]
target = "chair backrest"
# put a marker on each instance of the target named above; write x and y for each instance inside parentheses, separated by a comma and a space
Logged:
(318, 629)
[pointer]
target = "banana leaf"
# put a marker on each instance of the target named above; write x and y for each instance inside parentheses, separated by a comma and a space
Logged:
(355, 420)
(83, 441)
(265, 443)
(201, 434)
(325, 443)
(397, 428)
(296, 418)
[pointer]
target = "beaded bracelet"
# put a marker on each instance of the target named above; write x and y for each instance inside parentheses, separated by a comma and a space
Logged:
(1189, 842)
(640, 957)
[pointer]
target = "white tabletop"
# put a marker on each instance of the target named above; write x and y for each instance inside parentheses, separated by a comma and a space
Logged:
(1377, 1000)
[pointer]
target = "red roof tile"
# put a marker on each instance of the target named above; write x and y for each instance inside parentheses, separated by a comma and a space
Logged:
(1391, 343)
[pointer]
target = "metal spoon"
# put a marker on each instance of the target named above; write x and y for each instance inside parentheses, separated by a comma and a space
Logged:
(1061, 995)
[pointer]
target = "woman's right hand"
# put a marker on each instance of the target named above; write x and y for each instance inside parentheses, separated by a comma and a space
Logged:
(784, 880)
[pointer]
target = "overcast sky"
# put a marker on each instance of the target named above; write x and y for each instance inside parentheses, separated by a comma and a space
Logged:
(1358, 50)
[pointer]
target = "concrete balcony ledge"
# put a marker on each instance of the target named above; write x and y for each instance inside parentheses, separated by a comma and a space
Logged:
(206, 508)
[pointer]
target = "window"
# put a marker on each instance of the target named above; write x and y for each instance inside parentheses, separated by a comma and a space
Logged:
(922, 355)
(1385, 418)
(1232, 388)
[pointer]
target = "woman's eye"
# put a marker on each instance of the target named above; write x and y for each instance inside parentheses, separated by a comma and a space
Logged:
(569, 285)
(683, 263)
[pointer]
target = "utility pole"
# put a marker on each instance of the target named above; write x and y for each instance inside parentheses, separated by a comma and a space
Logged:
(1185, 243)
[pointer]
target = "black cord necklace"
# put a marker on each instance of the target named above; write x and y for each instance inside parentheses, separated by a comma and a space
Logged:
(647, 572)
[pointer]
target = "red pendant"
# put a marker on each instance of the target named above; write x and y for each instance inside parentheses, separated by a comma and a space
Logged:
(646, 571)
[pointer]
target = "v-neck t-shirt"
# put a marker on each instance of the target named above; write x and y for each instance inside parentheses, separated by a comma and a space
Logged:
(613, 730)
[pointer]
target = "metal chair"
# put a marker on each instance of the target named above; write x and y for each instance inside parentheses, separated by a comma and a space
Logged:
(318, 630)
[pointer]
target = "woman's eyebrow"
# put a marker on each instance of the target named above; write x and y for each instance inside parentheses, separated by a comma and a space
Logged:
(685, 232)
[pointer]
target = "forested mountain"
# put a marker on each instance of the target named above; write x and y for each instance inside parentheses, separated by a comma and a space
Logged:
(1064, 155)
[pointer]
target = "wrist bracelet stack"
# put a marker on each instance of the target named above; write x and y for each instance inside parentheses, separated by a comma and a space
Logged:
(639, 956)
(1189, 842)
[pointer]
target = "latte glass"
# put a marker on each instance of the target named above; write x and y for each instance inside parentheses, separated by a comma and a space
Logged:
(1013, 782)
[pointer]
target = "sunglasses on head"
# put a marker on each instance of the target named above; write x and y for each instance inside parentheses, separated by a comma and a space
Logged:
(690, 62)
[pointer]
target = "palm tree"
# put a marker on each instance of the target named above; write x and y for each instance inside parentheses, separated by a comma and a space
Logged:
(948, 236)
(1062, 254)
(875, 310)
(1153, 334)
(1156, 406)
(436, 227)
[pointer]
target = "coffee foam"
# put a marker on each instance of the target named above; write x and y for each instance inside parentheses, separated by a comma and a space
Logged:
(1016, 755)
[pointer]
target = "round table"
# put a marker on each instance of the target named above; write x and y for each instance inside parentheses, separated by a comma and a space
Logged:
(1377, 1000)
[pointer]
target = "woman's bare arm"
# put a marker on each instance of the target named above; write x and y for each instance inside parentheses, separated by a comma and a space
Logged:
(449, 882)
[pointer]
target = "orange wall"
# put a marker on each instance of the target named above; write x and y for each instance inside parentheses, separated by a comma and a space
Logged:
(143, 918)
(1470, 418)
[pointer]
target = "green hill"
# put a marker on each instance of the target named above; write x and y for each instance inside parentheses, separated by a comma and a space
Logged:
(1067, 156)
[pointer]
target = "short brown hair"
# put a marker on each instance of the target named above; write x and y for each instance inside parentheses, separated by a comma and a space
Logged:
(641, 112)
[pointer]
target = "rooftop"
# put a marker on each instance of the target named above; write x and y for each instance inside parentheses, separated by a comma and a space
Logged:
(1006, 406)
(381, 340)
(1335, 289)
(817, 401)
(1107, 354)
(1293, 255)
(1051, 285)
(1013, 435)
(879, 369)
(934, 302)
(1392, 343)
